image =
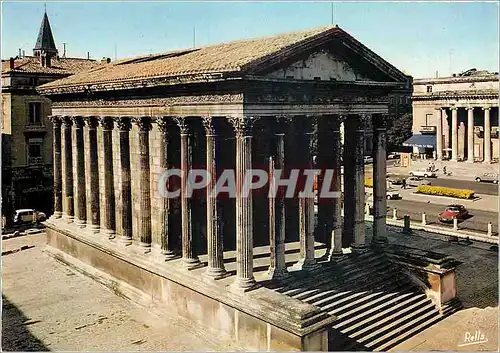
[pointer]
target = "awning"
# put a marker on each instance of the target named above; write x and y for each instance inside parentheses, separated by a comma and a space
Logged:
(423, 141)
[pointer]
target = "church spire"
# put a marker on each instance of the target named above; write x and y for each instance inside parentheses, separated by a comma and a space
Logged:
(45, 45)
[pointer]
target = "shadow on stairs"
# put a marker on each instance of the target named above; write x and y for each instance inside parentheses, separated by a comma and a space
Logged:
(376, 304)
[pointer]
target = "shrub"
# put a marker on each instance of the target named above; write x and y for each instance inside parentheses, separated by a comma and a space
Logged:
(443, 191)
(368, 182)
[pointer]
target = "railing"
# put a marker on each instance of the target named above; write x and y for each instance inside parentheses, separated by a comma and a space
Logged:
(424, 129)
(468, 228)
(35, 127)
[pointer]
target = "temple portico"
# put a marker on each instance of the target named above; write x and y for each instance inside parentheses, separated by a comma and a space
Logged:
(117, 132)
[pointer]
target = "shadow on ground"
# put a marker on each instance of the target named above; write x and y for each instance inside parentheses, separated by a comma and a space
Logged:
(16, 335)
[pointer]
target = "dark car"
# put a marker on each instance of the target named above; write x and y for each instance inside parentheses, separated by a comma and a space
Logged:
(453, 211)
(396, 181)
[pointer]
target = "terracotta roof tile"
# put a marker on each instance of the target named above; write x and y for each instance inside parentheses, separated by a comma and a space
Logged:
(224, 57)
(61, 66)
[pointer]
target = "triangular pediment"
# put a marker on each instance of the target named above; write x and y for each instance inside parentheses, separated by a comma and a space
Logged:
(332, 55)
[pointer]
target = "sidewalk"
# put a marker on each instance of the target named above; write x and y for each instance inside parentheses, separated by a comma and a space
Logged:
(459, 170)
(47, 306)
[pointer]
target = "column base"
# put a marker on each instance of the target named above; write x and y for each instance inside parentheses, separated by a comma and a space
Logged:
(56, 215)
(469, 161)
(242, 285)
(80, 223)
(109, 233)
(336, 256)
(380, 240)
(124, 241)
(215, 273)
(68, 219)
(162, 255)
(143, 248)
(307, 265)
(278, 274)
(191, 264)
(359, 248)
(93, 228)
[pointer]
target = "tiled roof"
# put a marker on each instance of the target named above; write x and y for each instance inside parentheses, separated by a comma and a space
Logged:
(61, 66)
(224, 57)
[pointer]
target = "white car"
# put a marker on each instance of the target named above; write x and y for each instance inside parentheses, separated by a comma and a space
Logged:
(417, 181)
(423, 173)
(392, 194)
(368, 159)
(28, 215)
(393, 155)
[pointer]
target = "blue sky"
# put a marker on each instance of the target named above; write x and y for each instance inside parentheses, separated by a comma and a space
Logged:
(419, 38)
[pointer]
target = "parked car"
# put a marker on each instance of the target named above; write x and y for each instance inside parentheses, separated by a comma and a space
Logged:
(395, 181)
(488, 177)
(453, 211)
(394, 155)
(416, 181)
(392, 194)
(368, 159)
(28, 215)
(423, 173)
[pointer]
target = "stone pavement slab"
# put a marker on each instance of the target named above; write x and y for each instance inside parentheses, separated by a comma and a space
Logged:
(48, 306)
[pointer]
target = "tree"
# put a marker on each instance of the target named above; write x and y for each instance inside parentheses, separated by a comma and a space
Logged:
(398, 131)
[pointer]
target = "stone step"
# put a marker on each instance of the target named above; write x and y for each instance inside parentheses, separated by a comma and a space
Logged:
(363, 283)
(370, 298)
(408, 318)
(349, 280)
(327, 275)
(400, 337)
(348, 323)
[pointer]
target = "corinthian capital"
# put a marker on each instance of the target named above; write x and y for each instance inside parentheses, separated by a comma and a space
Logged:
(143, 123)
(78, 121)
(182, 122)
(162, 123)
(106, 122)
(91, 121)
(208, 124)
(55, 120)
(242, 125)
(124, 123)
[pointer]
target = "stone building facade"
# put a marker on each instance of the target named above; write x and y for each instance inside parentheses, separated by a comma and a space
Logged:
(458, 116)
(26, 130)
(234, 106)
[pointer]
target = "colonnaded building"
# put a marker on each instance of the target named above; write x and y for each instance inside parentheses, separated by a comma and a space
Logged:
(247, 268)
(456, 118)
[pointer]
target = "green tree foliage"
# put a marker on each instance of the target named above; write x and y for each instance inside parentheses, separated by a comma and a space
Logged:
(398, 131)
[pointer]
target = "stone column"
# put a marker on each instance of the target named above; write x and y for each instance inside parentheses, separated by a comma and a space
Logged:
(379, 179)
(94, 218)
(307, 259)
(244, 220)
(144, 125)
(189, 257)
(487, 135)
(439, 134)
(215, 269)
(336, 236)
(454, 134)
(470, 134)
(109, 226)
(277, 267)
(359, 179)
(68, 165)
(166, 250)
(350, 125)
(124, 126)
(56, 124)
(81, 200)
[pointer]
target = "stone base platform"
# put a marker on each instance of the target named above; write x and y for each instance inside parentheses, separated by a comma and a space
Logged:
(261, 319)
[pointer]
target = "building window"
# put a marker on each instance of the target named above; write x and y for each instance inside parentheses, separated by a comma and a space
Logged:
(35, 150)
(35, 113)
(33, 81)
(428, 119)
(429, 89)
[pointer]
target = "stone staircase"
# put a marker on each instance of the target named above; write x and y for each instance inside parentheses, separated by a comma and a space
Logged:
(376, 304)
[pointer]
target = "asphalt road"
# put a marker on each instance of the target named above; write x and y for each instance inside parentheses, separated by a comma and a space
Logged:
(478, 221)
